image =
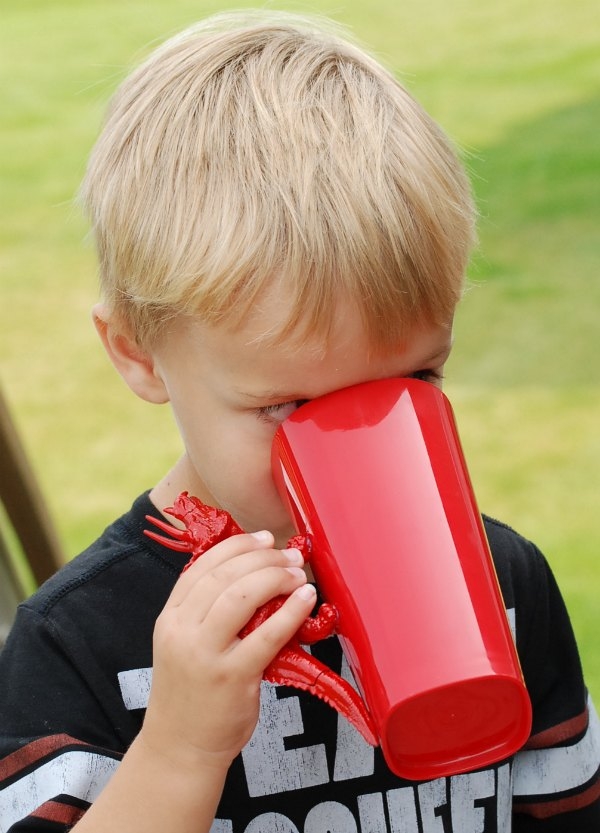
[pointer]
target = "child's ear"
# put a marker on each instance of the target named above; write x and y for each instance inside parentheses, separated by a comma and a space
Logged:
(134, 364)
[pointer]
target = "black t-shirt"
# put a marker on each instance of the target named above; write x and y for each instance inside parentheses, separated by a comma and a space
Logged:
(76, 672)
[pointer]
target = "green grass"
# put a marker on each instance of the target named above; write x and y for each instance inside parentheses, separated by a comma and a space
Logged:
(517, 85)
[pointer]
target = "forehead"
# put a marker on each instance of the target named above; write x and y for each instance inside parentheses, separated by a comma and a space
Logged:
(261, 344)
(340, 328)
(272, 326)
(245, 360)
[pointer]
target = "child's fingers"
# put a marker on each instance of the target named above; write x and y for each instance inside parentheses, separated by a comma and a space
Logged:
(261, 645)
(222, 552)
(224, 580)
(223, 597)
(235, 606)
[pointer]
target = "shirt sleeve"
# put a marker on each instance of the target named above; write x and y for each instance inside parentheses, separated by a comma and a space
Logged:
(57, 746)
(556, 777)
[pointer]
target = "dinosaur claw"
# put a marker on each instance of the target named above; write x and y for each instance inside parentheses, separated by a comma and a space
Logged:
(179, 540)
(298, 669)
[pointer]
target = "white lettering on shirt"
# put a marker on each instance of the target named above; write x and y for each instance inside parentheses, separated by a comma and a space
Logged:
(465, 790)
(432, 796)
(270, 767)
(330, 817)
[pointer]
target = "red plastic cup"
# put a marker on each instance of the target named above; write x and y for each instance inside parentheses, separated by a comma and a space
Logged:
(374, 474)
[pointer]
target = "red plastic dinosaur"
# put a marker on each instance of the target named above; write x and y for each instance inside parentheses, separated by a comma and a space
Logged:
(205, 526)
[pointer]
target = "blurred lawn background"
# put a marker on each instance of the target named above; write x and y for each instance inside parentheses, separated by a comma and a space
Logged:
(515, 84)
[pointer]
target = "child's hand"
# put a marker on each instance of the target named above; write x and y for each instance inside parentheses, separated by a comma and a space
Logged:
(205, 692)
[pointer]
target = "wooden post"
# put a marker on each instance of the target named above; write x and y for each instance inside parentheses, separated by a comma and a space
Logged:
(24, 504)
(11, 592)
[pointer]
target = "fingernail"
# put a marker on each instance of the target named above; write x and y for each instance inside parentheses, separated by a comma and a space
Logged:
(294, 555)
(262, 535)
(296, 571)
(307, 592)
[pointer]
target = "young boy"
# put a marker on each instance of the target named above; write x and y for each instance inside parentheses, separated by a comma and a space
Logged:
(276, 219)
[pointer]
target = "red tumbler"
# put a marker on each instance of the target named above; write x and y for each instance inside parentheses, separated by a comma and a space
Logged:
(375, 475)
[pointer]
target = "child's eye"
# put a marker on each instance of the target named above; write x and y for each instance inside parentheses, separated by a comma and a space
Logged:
(279, 412)
(434, 377)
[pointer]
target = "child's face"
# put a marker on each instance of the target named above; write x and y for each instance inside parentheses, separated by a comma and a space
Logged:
(229, 392)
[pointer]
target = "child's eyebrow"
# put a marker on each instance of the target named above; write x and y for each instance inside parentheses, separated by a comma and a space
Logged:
(440, 355)
(270, 395)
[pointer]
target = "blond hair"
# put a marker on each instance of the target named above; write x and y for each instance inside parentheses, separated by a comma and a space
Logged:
(259, 148)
